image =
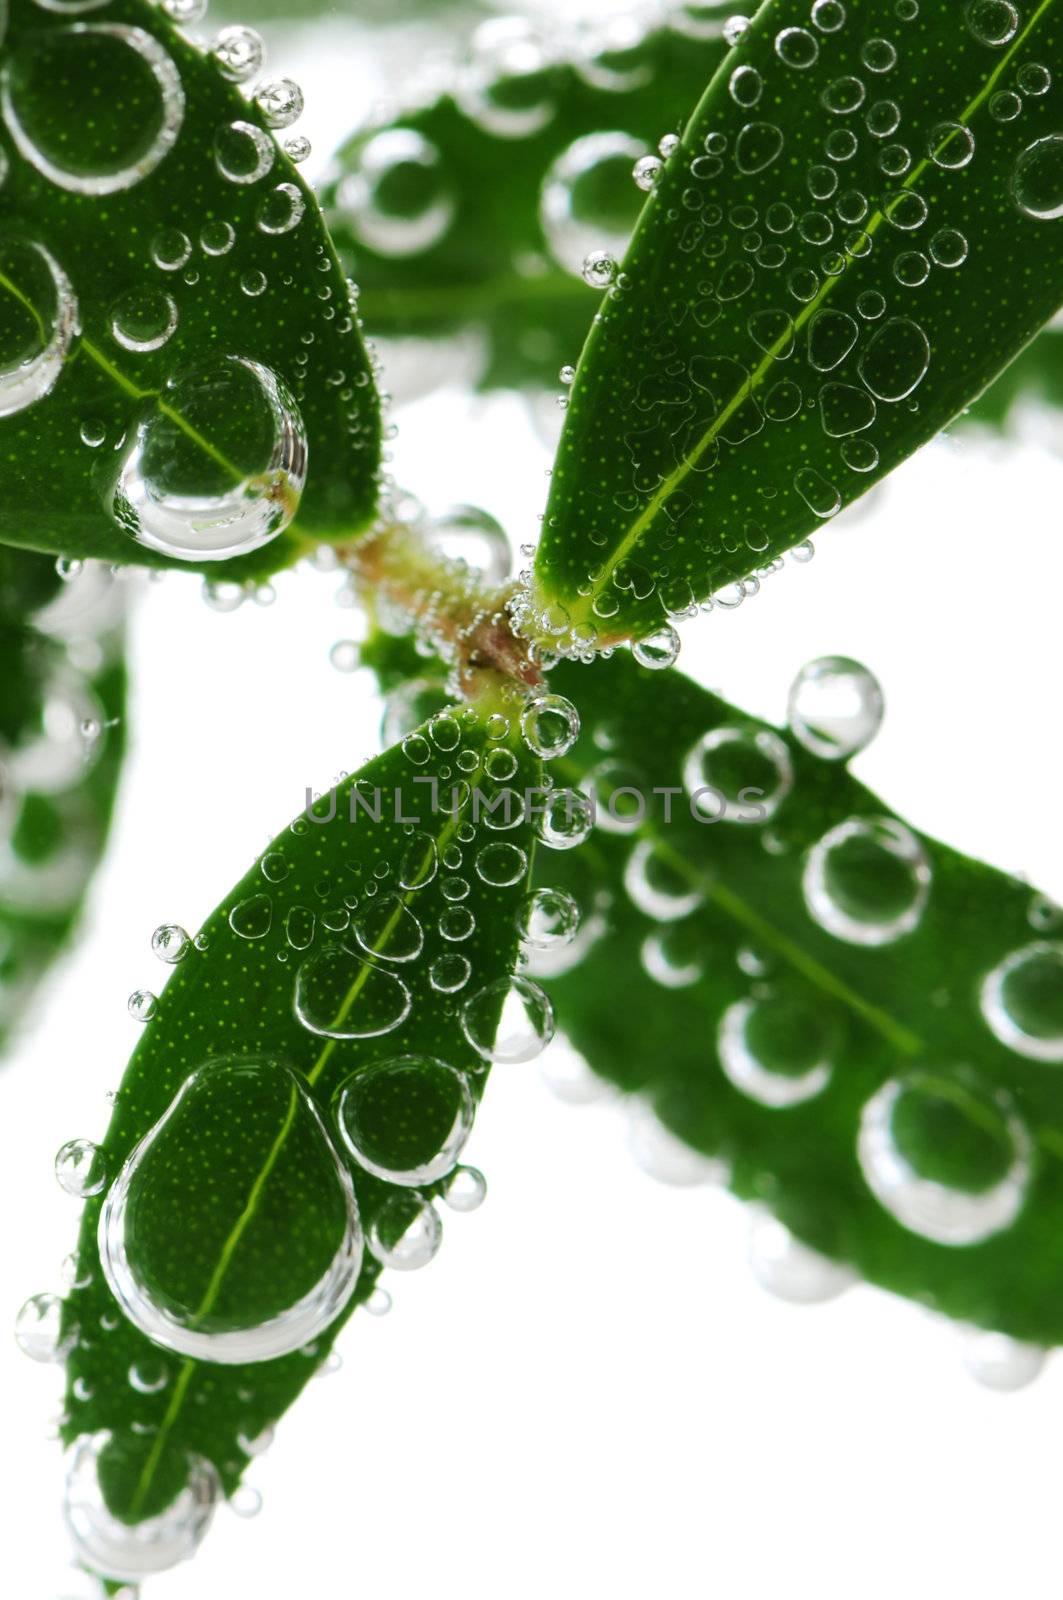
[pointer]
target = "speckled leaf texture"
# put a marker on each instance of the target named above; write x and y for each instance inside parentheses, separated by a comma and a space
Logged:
(468, 218)
(895, 1104)
(60, 648)
(857, 231)
(145, 291)
(239, 1211)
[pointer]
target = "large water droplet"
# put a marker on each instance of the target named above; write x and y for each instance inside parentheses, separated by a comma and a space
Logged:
(81, 1168)
(896, 360)
(947, 1159)
(738, 774)
(143, 319)
(659, 885)
(505, 89)
(550, 725)
(218, 466)
(1001, 1363)
(992, 22)
(398, 199)
(129, 1551)
(1037, 179)
(835, 707)
(406, 1120)
(39, 1331)
(341, 996)
(776, 1049)
(509, 1021)
(1022, 1001)
(278, 1245)
(867, 881)
(758, 144)
(38, 320)
(790, 1269)
(243, 152)
(122, 134)
(588, 202)
(831, 335)
(566, 819)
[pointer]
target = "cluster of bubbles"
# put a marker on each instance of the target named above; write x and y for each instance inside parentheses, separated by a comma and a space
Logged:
(217, 465)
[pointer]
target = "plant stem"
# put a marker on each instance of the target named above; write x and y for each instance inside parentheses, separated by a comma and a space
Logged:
(467, 624)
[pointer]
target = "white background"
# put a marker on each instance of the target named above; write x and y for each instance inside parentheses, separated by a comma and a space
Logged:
(586, 1392)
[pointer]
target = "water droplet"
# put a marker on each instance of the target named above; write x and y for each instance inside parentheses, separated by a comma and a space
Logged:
(757, 146)
(566, 819)
(506, 87)
(831, 336)
(149, 1376)
(227, 1114)
(245, 1501)
(217, 237)
(388, 930)
(895, 361)
(1001, 1363)
(599, 269)
(587, 208)
(142, 1005)
(501, 864)
(81, 1168)
(406, 1120)
(664, 1156)
(1022, 1001)
(341, 996)
(657, 650)
(548, 918)
(170, 943)
(299, 923)
(129, 1551)
(470, 534)
(252, 917)
(238, 53)
(297, 148)
(398, 198)
(867, 881)
(1033, 78)
(777, 1050)
(796, 47)
(947, 1159)
(835, 707)
(550, 725)
(508, 1021)
(378, 1303)
(199, 504)
(243, 152)
(39, 1329)
(256, 1444)
(949, 247)
(828, 15)
(466, 1190)
(406, 1232)
(646, 171)
(738, 774)
(790, 1269)
(951, 145)
(844, 410)
(672, 956)
(1037, 179)
(122, 135)
(280, 102)
(992, 22)
(281, 209)
(449, 973)
(419, 863)
(143, 319)
(657, 884)
(39, 323)
(879, 55)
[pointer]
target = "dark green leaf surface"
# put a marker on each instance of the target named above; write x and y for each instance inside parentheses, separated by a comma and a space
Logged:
(449, 225)
(856, 233)
(118, 223)
(239, 1209)
(57, 786)
(652, 1005)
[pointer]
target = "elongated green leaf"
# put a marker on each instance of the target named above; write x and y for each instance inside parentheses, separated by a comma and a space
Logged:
(381, 928)
(861, 1026)
(181, 371)
(473, 215)
(62, 694)
(858, 230)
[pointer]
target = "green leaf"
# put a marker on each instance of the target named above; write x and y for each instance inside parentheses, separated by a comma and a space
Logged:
(62, 702)
(181, 371)
(761, 990)
(472, 215)
(230, 1235)
(1035, 378)
(856, 233)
